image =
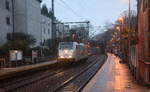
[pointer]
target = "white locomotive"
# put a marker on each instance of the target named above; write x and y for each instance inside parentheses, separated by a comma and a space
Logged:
(71, 51)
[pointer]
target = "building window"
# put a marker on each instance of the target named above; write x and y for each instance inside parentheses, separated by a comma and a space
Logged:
(44, 31)
(7, 4)
(48, 24)
(8, 20)
(44, 41)
(48, 31)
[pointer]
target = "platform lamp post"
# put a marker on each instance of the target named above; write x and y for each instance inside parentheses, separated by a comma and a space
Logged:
(54, 37)
(129, 35)
(122, 46)
(118, 31)
(53, 21)
(12, 36)
(13, 16)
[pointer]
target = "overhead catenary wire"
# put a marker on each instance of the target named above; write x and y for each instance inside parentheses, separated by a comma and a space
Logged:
(65, 5)
(72, 10)
(85, 7)
(96, 30)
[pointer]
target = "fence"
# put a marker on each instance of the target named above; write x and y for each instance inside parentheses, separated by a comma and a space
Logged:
(2, 62)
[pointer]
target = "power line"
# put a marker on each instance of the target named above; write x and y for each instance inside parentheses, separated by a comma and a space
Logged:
(74, 12)
(85, 9)
(97, 28)
(66, 8)
(65, 5)
(61, 4)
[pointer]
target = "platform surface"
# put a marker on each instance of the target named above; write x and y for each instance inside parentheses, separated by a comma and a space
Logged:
(7, 71)
(114, 77)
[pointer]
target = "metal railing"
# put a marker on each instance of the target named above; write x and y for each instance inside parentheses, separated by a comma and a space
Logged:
(2, 62)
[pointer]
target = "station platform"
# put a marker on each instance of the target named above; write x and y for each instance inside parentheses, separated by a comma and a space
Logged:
(6, 72)
(114, 77)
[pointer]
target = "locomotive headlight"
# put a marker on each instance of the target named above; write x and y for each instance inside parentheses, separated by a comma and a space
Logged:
(61, 57)
(66, 51)
(70, 56)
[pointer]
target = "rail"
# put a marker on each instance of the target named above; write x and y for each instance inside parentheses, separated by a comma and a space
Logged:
(63, 85)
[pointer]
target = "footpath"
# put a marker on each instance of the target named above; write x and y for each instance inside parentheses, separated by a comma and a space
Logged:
(114, 77)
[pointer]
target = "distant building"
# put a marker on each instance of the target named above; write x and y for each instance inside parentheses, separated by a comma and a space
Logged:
(62, 30)
(66, 31)
(46, 32)
(59, 30)
(6, 21)
(82, 32)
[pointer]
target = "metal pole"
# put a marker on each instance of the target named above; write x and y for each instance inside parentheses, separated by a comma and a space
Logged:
(88, 24)
(129, 20)
(129, 33)
(121, 41)
(13, 15)
(53, 28)
(63, 31)
(13, 25)
(129, 14)
(42, 40)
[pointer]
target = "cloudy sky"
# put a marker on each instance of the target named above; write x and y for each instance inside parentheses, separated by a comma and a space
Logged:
(97, 11)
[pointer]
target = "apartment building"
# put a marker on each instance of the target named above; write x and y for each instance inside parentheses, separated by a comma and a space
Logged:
(27, 18)
(6, 20)
(46, 29)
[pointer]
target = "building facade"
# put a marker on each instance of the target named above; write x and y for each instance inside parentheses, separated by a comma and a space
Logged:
(18, 16)
(66, 31)
(143, 46)
(27, 18)
(59, 30)
(6, 21)
(46, 31)
(62, 30)
(82, 31)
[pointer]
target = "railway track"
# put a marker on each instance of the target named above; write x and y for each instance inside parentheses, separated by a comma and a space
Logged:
(47, 81)
(12, 85)
(70, 85)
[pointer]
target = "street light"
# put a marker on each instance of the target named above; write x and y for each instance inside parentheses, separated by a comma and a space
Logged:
(121, 19)
(129, 38)
(118, 28)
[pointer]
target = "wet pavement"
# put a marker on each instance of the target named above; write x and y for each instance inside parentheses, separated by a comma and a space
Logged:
(114, 77)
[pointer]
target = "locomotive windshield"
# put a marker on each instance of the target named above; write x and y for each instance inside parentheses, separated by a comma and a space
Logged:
(66, 45)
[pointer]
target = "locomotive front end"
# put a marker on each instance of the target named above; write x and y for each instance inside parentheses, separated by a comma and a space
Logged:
(66, 52)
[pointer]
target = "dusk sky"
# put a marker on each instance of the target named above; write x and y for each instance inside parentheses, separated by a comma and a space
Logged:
(97, 11)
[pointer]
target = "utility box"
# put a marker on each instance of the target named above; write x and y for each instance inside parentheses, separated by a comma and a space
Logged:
(34, 56)
(15, 57)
